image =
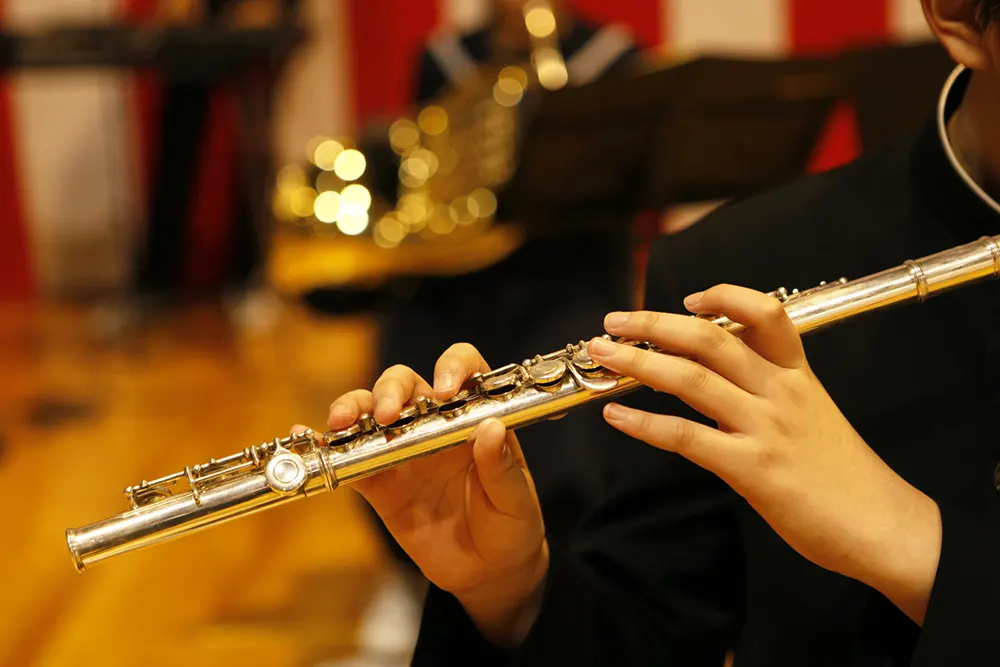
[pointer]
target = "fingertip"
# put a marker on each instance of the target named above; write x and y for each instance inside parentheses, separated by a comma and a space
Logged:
(445, 382)
(491, 430)
(616, 322)
(616, 413)
(387, 410)
(298, 429)
(340, 416)
(490, 446)
(601, 347)
(693, 301)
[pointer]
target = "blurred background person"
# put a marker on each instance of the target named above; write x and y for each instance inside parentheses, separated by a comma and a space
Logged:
(591, 50)
(208, 219)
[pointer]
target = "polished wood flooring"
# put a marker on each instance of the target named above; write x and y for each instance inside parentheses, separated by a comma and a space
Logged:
(82, 417)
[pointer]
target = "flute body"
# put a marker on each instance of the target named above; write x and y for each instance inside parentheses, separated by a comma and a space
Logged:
(545, 387)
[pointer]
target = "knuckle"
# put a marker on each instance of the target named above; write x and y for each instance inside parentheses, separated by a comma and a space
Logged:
(710, 337)
(463, 355)
(777, 422)
(392, 376)
(466, 350)
(650, 320)
(775, 310)
(351, 400)
(796, 392)
(717, 292)
(398, 371)
(792, 387)
(639, 359)
(765, 458)
(384, 381)
(645, 423)
(694, 376)
(684, 435)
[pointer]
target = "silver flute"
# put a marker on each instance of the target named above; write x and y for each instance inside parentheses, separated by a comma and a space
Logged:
(545, 387)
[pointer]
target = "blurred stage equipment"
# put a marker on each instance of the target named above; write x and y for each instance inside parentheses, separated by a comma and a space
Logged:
(545, 387)
(182, 53)
(593, 156)
(188, 63)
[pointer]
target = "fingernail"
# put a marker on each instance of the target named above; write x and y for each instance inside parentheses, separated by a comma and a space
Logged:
(693, 300)
(445, 381)
(474, 433)
(602, 348)
(615, 321)
(505, 455)
(615, 412)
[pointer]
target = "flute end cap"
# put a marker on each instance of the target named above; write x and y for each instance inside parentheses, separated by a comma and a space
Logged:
(74, 550)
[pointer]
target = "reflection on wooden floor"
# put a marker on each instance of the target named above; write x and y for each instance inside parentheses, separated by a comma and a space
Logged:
(79, 420)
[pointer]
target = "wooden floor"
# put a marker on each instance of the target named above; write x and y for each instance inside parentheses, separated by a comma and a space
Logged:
(80, 419)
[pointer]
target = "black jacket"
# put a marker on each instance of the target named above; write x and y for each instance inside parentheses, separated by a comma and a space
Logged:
(676, 569)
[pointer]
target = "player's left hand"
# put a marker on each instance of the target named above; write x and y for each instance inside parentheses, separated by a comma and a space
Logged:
(781, 442)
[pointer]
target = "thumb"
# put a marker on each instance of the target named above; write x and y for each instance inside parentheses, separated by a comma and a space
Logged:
(500, 470)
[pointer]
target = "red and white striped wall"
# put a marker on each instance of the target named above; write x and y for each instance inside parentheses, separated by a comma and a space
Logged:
(75, 147)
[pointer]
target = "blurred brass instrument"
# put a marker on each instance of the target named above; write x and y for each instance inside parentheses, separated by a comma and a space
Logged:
(545, 387)
(454, 156)
(463, 149)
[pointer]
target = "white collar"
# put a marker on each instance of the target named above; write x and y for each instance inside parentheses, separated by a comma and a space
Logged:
(942, 122)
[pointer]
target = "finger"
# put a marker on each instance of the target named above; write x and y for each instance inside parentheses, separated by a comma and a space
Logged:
(346, 409)
(298, 429)
(713, 347)
(502, 476)
(511, 441)
(394, 389)
(769, 332)
(705, 391)
(702, 445)
(459, 362)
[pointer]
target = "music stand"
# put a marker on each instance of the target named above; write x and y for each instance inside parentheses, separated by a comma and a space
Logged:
(710, 128)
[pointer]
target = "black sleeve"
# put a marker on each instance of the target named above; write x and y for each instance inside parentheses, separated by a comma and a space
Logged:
(654, 575)
(963, 617)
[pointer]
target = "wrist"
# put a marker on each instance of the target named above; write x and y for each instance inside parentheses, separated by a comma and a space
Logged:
(505, 609)
(905, 558)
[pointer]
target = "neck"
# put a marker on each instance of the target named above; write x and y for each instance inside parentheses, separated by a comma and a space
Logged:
(975, 134)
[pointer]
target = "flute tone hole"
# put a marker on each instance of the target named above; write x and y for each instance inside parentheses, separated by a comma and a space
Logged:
(452, 406)
(401, 423)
